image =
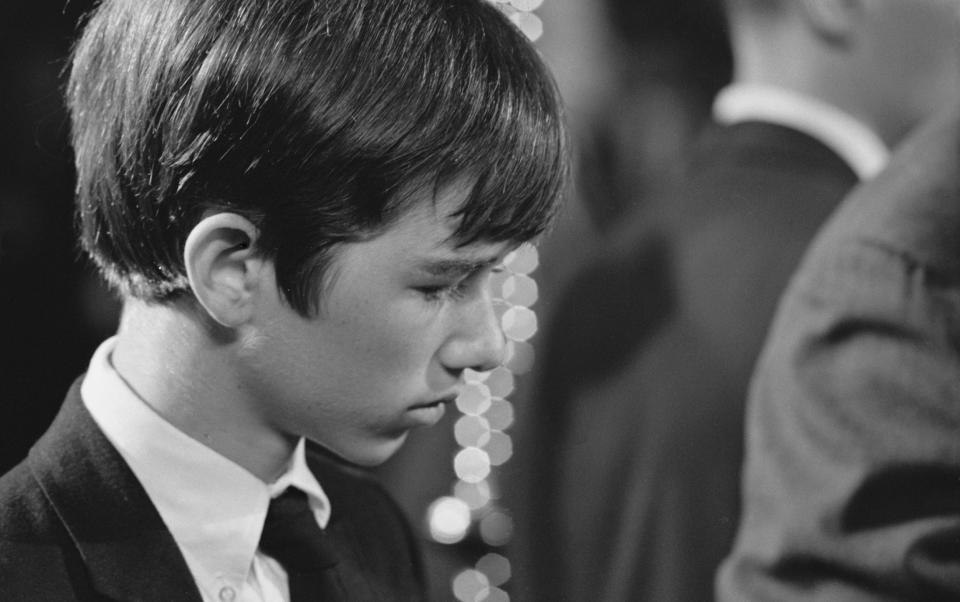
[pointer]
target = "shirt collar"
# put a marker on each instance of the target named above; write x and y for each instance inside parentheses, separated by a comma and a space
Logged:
(213, 507)
(847, 136)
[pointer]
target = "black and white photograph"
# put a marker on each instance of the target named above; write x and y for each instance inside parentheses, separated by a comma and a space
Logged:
(480, 300)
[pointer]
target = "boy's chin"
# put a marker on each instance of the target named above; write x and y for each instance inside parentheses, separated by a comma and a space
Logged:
(368, 454)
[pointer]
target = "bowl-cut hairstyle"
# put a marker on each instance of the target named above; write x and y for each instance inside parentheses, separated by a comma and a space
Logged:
(314, 119)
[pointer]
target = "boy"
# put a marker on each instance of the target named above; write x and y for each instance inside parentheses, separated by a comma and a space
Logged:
(300, 202)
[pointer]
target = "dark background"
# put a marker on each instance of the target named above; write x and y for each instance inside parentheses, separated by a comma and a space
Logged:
(54, 309)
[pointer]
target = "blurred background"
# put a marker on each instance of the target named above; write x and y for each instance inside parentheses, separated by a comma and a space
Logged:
(638, 77)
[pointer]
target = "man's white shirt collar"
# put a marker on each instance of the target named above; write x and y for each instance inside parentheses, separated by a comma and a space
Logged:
(847, 136)
(213, 507)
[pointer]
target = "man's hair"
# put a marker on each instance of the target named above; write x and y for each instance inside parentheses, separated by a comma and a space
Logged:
(315, 119)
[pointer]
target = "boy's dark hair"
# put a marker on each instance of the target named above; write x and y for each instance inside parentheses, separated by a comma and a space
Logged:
(315, 119)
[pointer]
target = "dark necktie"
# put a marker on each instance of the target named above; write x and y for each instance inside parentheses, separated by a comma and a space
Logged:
(293, 538)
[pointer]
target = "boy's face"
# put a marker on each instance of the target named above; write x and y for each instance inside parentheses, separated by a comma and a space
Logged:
(401, 317)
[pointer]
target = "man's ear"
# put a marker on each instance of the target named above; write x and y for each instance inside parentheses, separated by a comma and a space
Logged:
(223, 267)
(832, 20)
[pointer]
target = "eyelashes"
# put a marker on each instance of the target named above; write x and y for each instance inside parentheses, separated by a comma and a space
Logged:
(441, 293)
(456, 290)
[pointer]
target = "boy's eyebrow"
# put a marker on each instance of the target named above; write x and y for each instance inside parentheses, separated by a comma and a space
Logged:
(455, 267)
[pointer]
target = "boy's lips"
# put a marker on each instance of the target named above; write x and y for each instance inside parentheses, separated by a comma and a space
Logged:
(430, 412)
(446, 400)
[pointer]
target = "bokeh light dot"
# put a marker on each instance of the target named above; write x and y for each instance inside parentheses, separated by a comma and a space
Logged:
(472, 464)
(497, 282)
(474, 399)
(472, 431)
(500, 307)
(494, 594)
(520, 357)
(500, 382)
(523, 260)
(520, 289)
(469, 584)
(475, 495)
(496, 567)
(496, 528)
(448, 520)
(472, 376)
(499, 415)
(519, 323)
(529, 23)
(499, 448)
(526, 5)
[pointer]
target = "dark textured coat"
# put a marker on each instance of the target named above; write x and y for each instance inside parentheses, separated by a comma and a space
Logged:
(852, 489)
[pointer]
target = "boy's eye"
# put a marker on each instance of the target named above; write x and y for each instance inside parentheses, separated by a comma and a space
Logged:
(446, 291)
(458, 289)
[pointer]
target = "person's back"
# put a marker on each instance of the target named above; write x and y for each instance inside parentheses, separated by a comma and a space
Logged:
(852, 475)
(639, 421)
(301, 204)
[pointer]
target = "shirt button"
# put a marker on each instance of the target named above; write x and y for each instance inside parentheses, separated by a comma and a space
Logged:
(227, 594)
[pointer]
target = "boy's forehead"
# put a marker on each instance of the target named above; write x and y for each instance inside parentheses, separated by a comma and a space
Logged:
(436, 250)
(423, 235)
(432, 212)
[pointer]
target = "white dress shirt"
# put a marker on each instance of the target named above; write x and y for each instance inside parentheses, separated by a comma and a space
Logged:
(213, 507)
(847, 136)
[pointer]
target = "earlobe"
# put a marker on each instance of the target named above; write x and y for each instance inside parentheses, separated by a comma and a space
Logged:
(223, 267)
(833, 20)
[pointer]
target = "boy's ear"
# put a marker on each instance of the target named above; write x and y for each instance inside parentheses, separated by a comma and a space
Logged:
(223, 267)
(832, 20)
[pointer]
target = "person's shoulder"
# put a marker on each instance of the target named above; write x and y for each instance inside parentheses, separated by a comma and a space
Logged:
(756, 157)
(25, 512)
(31, 559)
(911, 208)
(36, 560)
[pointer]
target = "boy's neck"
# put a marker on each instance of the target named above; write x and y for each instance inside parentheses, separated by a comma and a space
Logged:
(186, 373)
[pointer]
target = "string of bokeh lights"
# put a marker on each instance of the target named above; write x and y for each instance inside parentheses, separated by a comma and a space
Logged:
(480, 430)
(472, 508)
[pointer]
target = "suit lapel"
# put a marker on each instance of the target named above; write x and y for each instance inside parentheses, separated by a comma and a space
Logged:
(352, 568)
(128, 551)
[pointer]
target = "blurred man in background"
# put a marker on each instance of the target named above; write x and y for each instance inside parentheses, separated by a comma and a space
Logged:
(852, 483)
(639, 426)
(852, 476)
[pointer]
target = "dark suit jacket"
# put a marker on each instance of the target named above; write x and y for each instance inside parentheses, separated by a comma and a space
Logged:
(75, 524)
(630, 486)
(852, 482)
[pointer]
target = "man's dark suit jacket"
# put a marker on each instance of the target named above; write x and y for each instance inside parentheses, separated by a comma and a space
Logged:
(632, 453)
(852, 482)
(75, 524)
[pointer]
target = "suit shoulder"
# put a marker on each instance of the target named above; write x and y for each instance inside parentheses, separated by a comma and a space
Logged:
(25, 512)
(35, 555)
